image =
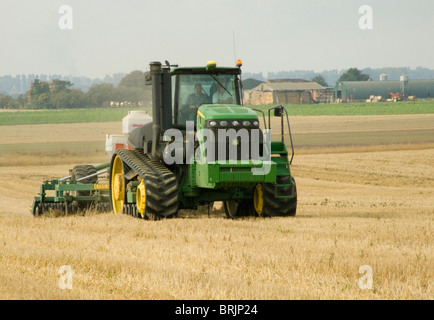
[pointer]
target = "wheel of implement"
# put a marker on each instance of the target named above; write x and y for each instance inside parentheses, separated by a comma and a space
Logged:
(230, 207)
(36, 209)
(79, 172)
(268, 205)
(258, 199)
(117, 185)
(234, 209)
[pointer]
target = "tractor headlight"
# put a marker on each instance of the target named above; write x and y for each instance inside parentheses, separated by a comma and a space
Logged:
(230, 123)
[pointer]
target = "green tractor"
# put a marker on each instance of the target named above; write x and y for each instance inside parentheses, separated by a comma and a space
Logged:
(203, 146)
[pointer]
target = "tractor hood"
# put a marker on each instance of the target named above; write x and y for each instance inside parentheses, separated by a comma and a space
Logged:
(213, 111)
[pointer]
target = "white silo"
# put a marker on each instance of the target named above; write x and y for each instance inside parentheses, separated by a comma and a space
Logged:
(403, 81)
(383, 77)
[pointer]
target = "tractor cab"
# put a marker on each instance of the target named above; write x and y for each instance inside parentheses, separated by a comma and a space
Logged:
(194, 87)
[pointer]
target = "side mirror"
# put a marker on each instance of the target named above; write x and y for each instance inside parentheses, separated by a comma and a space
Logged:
(278, 111)
(148, 81)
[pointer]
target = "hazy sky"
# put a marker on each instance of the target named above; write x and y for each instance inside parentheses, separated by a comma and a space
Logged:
(113, 36)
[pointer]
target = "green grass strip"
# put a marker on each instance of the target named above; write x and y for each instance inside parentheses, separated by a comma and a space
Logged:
(116, 114)
(63, 116)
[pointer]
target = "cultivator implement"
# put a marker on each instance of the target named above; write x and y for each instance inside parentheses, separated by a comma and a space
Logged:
(86, 187)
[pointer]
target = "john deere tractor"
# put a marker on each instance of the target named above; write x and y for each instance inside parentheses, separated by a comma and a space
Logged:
(203, 146)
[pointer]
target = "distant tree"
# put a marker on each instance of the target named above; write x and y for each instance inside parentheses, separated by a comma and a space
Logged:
(77, 98)
(5, 101)
(135, 79)
(61, 100)
(129, 94)
(44, 100)
(39, 88)
(100, 95)
(132, 89)
(21, 101)
(74, 98)
(354, 74)
(320, 80)
(61, 85)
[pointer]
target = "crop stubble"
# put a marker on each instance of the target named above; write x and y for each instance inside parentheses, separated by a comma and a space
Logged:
(373, 207)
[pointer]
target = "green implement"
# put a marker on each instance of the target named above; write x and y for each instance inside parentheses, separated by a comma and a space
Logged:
(84, 188)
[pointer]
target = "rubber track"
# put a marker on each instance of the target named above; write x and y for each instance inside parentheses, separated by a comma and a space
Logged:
(160, 183)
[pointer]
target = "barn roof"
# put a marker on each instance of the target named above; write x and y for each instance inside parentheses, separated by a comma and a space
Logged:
(288, 85)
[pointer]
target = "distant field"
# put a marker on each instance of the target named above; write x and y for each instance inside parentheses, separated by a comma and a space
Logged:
(63, 116)
(116, 114)
(353, 109)
(35, 144)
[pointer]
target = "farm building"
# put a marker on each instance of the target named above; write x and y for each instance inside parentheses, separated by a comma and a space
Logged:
(292, 91)
(362, 90)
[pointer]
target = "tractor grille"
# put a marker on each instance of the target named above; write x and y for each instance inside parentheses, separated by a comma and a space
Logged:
(234, 143)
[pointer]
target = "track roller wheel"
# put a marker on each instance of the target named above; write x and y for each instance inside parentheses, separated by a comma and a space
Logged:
(141, 199)
(117, 184)
(136, 212)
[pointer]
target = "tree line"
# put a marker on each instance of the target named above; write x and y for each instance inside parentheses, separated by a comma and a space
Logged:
(60, 94)
(19, 84)
(331, 76)
(131, 91)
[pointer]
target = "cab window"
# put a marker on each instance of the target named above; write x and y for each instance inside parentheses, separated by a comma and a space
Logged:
(193, 90)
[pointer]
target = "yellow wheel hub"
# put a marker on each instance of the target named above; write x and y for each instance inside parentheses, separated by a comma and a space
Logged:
(258, 199)
(117, 185)
(141, 198)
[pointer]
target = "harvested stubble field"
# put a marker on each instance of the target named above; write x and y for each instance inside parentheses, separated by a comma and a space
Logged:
(366, 197)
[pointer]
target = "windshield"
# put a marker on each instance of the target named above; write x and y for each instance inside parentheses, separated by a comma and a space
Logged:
(193, 90)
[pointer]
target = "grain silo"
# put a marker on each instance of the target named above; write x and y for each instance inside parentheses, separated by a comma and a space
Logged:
(383, 77)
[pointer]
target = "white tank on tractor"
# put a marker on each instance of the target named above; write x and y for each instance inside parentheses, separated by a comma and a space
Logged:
(133, 120)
